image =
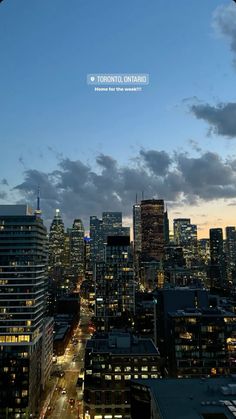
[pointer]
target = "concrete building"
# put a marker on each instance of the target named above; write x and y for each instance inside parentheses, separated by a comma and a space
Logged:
(23, 278)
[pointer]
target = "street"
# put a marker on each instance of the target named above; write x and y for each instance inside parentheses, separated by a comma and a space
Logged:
(65, 400)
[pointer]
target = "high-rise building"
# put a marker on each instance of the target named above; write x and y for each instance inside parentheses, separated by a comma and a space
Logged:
(96, 236)
(23, 278)
(231, 253)
(152, 228)
(137, 229)
(114, 286)
(77, 248)
(217, 266)
(185, 235)
(112, 225)
(56, 241)
(179, 226)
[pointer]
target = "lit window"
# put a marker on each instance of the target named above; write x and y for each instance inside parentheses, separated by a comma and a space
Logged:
(144, 376)
(117, 377)
(144, 368)
(107, 377)
(117, 369)
(128, 377)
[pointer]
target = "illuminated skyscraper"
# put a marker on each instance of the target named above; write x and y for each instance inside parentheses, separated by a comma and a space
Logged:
(137, 228)
(115, 287)
(231, 253)
(96, 236)
(77, 248)
(56, 241)
(152, 228)
(185, 235)
(23, 278)
(217, 268)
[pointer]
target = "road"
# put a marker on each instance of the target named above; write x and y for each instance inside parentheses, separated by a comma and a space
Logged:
(72, 363)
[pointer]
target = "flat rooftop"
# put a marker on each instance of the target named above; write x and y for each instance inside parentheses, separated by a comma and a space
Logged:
(193, 398)
(15, 210)
(135, 347)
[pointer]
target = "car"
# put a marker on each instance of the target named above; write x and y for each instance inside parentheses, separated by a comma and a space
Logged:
(72, 401)
(63, 391)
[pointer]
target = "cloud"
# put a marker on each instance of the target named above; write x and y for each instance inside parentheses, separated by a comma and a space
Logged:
(224, 23)
(157, 161)
(3, 195)
(4, 182)
(80, 191)
(221, 118)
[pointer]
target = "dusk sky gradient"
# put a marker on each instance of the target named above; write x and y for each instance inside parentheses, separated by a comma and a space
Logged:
(91, 151)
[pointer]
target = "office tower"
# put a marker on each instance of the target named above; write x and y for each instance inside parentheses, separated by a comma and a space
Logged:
(204, 250)
(231, 253)
(166, 228)
(152, 227)
(87, 258)
(179, 226)
(56, 241)
(23, 278)
(112, 225)
(77, 248)
(137, 229)
(114, 283)
(185, 235)
(110, 222)
(96, 236)
(217, 266)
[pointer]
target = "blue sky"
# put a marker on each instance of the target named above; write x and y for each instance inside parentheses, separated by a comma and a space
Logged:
(48, 113)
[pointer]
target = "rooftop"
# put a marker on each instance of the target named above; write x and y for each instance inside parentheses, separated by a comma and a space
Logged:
(193, 398)
(122, 344)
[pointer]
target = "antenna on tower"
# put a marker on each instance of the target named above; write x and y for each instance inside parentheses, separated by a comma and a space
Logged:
(38, 210)
(142, 195)
(136, 198)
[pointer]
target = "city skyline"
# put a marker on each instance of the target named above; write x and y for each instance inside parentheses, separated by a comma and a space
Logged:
(92, 152)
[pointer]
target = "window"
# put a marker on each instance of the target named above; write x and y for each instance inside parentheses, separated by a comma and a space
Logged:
(107, 377)
(117, 377)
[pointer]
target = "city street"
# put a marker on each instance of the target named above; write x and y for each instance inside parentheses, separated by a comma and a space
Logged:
(65, 400)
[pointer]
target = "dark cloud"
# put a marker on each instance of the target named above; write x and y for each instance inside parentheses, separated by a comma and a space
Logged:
(80, 191)
(157, 161)
(221, 118)
(4, 182)
(3, 195)
(224, 22)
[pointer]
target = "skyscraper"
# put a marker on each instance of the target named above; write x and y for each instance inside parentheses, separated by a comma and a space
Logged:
(115, 287)
(152, 229)
(96, 236)
(137, 228)
(231, 253)
(23, 277)
(56, 241)
(77, 248)
(217, 268)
